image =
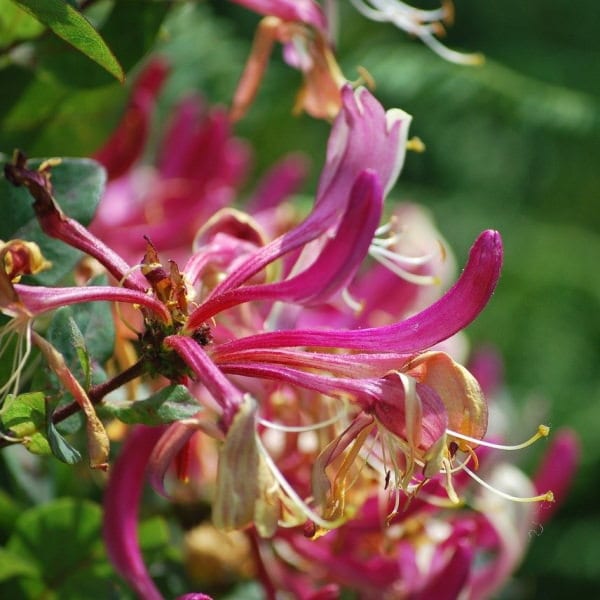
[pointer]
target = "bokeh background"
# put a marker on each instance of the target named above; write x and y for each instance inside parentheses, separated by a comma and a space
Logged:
(512, 145)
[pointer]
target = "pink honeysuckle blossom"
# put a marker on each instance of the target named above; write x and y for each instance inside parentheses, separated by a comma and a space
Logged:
(424, 550)
(221, 324)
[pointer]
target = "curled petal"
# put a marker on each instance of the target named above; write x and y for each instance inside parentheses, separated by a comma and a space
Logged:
(451, 313)
(334, 266)
(40, 299)
(363, 137)
(121, 500)
(458, 389)
(164, 452)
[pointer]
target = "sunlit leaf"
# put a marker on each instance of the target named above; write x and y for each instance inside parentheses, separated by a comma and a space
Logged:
(24, 417)
(70, 25)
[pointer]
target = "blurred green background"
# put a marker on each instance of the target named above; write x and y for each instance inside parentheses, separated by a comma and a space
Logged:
(512, 145)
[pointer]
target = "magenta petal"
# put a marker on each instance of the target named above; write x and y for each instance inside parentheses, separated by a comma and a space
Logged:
(363, 137)
(335, 265)
(221, 389)
(305, 11)
(164, 452)
(557, 471)
(448, 583)
(121, 500)
(126, 144)
(40, 299)
(451, 313)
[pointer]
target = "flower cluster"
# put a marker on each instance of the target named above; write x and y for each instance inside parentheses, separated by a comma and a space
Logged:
(336, 425)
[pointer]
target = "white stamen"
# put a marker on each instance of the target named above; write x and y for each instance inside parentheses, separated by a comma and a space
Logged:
(547, 497)
(291, 493)
(302, 428)
(424, 24)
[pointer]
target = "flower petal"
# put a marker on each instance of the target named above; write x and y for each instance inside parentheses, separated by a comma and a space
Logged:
(451, 313)
(40, 299)
(335, 264)
(121, 500)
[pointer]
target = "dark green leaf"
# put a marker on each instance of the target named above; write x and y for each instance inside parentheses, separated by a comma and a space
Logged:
(171, 404)
(62, 540)
(70, 25)
(60, 447)
(24, 417)
(78, 187)
(84, 335)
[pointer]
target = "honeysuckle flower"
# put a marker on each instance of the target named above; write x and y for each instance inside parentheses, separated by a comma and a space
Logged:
(427, 25)
(423, 551)
(224, 324)
(301, 28)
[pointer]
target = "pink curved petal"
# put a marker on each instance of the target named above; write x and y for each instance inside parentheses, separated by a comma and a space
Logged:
(451, 313)
(40, 299)
(121, 502)
(164, 452)
(221, 389)
(126, 144)
(364, 137)
(335, 265)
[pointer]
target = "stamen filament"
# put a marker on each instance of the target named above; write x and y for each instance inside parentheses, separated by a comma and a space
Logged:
(547, 497)
(293, 496)
(543, 431)
(302, 428)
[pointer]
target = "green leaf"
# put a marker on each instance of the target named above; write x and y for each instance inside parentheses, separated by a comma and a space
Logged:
(78, 186)
(172, 403)
(24, 416)
(84, 335)
(16, 25)
(13, 565)
(62, 540)
(60, 447)
(75, 29)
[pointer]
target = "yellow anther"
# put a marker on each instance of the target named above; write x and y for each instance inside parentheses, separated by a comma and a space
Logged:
(416, 144)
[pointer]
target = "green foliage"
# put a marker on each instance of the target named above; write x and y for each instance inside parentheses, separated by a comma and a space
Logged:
(170, 404)
(84, 335)
(78, 185)
(60, 546)
(59, 445)
(24, 417)
(57, 90)
(70, 25)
